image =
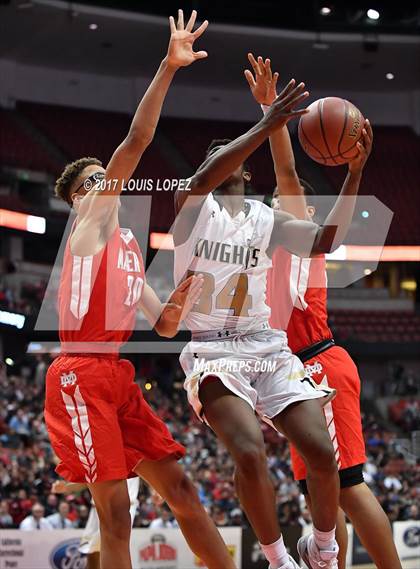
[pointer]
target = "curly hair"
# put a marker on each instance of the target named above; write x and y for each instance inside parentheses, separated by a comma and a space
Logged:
(222, 142)
(71, 172)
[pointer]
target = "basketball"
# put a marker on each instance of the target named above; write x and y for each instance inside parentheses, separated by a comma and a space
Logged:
(330, 131)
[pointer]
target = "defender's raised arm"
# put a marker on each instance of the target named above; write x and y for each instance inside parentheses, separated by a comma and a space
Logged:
(128, 154)
(305, 238)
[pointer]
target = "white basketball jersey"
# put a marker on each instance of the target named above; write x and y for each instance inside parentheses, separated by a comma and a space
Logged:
(231, 254)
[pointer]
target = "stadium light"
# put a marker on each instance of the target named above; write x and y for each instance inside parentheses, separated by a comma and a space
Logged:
(22, 221)
(12, 319)
(325, 11)
(409, 285)
(343, 253)
(93, 27)
(373, 14)
(161, 241)
(390, 76)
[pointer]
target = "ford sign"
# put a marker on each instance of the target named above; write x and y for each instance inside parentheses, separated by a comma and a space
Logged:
(66, 555)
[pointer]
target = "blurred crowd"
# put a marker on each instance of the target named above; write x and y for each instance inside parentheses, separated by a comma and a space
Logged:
(27, 461)
(17, 296)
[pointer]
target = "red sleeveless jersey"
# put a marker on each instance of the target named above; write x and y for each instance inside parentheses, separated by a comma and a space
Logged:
(98, 295)
(297, 296)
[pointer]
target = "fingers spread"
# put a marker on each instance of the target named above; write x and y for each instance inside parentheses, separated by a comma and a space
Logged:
(180, 25)
(249, 78)
(254, 64)
(200, 30)
(200, 54)
(191, 21)
(293, 94)
(260, 63)
(267, 67)
(286, 90)
(172, 24)
(299, 112)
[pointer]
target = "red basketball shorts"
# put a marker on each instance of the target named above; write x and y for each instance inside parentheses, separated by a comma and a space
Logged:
(99, 424)
(335, 368)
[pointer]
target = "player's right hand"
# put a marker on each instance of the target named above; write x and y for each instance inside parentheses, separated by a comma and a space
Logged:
(59, 487)
(283, 108)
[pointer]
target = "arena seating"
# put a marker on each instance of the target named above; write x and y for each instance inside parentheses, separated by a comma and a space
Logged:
(392, 175)
(376, 326)
(18, 149)
(406, 413)
(82, 132)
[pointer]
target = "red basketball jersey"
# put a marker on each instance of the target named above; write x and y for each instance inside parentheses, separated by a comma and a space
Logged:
(98, 295)
(297, 296)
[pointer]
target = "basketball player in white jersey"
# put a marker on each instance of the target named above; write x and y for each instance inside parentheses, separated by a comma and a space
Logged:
(229, 239)
(90, 542)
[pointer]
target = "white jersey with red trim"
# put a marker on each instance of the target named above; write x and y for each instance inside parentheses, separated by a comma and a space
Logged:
(231, 253)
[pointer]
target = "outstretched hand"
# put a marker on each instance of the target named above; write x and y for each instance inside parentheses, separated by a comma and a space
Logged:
(181, 42)
(364, 147)
(283, 108)
(183, 298)
(263, 84)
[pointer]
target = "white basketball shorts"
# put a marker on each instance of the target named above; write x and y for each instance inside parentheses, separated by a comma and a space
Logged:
(257, 367)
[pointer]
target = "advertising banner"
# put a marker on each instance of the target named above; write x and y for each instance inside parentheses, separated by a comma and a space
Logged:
(150, 549)
(407, 539)
(57, 549)
(167, 549)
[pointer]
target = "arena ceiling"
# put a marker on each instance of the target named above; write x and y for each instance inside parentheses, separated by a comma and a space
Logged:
(58, 34)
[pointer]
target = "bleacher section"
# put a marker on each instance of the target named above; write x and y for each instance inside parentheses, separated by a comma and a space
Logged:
(19, 150)
(81, 132)
(375, 326)
(393, 175)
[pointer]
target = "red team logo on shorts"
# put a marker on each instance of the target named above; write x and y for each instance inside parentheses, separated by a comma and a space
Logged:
(68, 379)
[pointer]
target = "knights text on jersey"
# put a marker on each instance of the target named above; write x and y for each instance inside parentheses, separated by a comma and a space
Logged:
(98, 295)
(230, 252)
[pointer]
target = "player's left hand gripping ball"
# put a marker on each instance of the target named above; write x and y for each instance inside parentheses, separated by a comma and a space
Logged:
(364, 146)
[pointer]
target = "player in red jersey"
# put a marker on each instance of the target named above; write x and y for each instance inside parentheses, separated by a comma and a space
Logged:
(100, 427)
(297, 295)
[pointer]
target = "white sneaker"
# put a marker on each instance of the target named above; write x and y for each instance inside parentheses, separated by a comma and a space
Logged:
(291, 564)
(313, 557)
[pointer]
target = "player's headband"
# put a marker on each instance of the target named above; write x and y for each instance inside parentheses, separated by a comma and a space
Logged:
(89, 182)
